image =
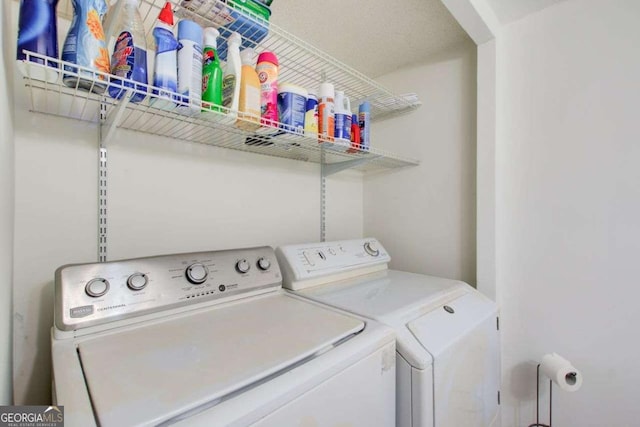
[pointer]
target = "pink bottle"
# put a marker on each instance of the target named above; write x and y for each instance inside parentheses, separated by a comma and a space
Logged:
(267, 69)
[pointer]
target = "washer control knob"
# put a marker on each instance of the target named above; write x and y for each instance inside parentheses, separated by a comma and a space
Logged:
(197, 273)
(243, 266)
(97, 287)
(264, 264)
(137, 281)
(372, 248)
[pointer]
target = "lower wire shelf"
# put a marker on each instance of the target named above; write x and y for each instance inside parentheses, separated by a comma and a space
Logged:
(185, 121)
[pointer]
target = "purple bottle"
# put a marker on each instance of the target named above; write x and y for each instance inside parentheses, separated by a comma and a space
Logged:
(37, 32)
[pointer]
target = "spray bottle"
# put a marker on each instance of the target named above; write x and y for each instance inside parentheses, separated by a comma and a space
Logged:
(211, 71)
(129, 58)
(232, 75)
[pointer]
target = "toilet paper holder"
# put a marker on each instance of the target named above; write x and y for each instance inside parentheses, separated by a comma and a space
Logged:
(560, 371)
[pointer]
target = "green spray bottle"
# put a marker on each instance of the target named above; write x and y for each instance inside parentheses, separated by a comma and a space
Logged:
(211, 72)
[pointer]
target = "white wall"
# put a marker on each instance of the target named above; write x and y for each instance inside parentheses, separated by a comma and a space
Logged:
(164, 196)
(425, 215)
(6, 207)
(568, 208)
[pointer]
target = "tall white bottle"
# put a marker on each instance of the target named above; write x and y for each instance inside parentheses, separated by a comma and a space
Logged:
(190, 64)
(232, 75)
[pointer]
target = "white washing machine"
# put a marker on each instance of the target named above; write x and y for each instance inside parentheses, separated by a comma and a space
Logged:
(211, 339)
(448, 360)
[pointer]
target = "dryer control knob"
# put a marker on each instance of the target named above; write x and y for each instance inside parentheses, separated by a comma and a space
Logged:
(372, 248)
(197, 273)
(137, 281)
(243, 266)
(264, 264)
(97, 287)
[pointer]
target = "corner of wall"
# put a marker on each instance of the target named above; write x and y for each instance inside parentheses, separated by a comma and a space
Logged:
(6, 206)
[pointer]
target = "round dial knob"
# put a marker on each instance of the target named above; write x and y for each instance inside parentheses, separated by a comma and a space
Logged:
(264, 264)
(243, 266)
(197, 273)
(97, 287)
(137, 281)
(372, 248)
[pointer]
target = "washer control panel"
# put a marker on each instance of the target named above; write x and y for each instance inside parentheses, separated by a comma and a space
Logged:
(92, 294)
(307, 264)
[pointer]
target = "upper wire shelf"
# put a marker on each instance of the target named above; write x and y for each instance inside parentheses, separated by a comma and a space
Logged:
(300, 62)
(186, 121)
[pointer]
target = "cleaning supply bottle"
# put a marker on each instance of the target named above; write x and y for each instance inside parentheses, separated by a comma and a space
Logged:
(85, 46)
(190, 64)
(232, 75)
(342, 118)
(267, 69)
(364, 121)
(326, 112)
(311, 114)
(249, 104)
(355, 134)
(211, 71)
(37, 32)
(129, 57)
(165, 70)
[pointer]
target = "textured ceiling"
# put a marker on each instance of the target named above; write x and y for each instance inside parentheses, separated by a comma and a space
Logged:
(372, 36)
(511, 10)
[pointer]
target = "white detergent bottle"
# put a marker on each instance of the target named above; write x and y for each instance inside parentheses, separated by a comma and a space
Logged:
(232, 75)
(342, 119)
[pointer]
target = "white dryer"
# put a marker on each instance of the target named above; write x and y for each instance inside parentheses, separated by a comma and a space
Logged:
(448, 360)
(211, 339)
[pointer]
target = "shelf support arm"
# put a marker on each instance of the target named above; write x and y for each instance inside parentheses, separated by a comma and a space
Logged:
(334, 168)
(108, 127)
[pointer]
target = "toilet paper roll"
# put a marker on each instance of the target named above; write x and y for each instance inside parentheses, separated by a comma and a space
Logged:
(561, 372)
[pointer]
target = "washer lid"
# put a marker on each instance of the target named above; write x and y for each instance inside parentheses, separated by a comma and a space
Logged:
(155, 372)
(388, 296)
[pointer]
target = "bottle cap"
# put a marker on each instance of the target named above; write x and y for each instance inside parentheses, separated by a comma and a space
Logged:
(166, 14)
(211, 37)
(365, 107)
(326, 90)
(189, 30)
(268, 57)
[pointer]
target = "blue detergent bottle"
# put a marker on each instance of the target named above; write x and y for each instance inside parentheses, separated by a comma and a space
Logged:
(85, 46)
(37, 32)
(129, 57)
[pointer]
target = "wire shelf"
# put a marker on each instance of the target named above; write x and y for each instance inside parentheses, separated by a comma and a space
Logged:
(182, 120)
(300, 62)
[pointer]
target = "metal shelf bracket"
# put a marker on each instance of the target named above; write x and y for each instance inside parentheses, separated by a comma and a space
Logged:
(333, 168)
(108, 127)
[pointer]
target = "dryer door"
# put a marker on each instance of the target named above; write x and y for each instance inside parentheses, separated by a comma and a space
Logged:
(463, 338)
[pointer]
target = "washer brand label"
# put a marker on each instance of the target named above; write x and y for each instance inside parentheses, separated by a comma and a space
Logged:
(31, 416)
(111, 307)
(82, 311)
